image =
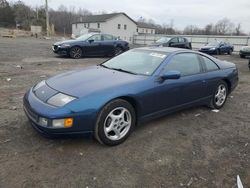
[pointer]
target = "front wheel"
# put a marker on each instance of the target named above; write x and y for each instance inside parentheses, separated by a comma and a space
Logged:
(220, 95)
(229, 52)
(115, 122)
(217, 52)
(75, 52)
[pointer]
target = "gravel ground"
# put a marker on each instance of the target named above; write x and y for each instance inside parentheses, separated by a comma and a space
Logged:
(191, 148)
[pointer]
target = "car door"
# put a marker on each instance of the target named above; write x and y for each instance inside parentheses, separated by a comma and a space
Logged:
(182, 43)
(109, 43)
(223, 47)
(210, 74)
(174, 42)
(189, 88)
(93, 45)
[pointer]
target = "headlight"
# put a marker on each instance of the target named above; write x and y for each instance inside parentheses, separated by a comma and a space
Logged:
(65, 45)
(60, 99)
(212, 48)
(40, 84)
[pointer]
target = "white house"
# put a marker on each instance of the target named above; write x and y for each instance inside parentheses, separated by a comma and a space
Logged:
(117, 24)
(145, 28)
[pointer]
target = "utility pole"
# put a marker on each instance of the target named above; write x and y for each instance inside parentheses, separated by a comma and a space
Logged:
(47, 17)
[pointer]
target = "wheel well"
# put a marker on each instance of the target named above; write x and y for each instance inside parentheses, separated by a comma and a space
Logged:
(228, 84)
(133, 102)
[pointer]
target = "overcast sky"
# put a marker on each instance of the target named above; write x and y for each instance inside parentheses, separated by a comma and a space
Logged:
(183, 12)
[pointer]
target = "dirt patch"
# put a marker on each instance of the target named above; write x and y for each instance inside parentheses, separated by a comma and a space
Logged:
(182, 149)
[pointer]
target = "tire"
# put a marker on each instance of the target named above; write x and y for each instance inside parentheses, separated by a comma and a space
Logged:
(115, 122)
(75, 52)
(242, 56)
(229, 52)
(117, 51)
(219, 96)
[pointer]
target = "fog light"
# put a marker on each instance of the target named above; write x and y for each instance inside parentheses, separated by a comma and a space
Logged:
(43, 121)
(60, 123)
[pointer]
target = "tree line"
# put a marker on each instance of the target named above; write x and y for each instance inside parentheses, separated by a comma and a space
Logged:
(20, 15)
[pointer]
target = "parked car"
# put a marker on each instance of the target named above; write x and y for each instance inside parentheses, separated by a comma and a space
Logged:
(109, 99)
(217, 48)
(92, 44)
(176, 42)
(245, 51)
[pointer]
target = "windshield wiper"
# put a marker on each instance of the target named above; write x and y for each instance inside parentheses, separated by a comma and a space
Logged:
(122, 70)
(118, 69)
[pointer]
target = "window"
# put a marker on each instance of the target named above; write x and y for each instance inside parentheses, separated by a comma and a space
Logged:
(210, 65)
(146, 31)
(119, 26)
(174, 40)
(137, 30)
(98, 25)
(125, 27)
(95, 37)
(142, 30)
(152, 31)
(108, 37)
(186, 63)
(88, 25)
(85, 25)
(181, 39)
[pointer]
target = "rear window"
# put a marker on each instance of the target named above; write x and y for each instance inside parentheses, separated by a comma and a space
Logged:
(210, 65)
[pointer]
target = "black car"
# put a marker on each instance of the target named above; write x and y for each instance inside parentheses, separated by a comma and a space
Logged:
(176, 42)
(245, 51)
(92, 44)
(217, 48)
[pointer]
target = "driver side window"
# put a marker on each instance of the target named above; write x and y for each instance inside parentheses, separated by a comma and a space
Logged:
(186, 63)
(96, 38)
(174, 40)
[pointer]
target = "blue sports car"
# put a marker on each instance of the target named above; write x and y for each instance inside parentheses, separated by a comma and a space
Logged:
(91, 44)
(109, 99)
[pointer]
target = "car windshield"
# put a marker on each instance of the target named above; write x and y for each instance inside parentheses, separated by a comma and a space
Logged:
(142, 62)
(213, 43)
(163, 40)
(84, 37)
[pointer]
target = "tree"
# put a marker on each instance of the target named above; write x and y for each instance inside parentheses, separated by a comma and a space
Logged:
(6, 14)
(238, 29)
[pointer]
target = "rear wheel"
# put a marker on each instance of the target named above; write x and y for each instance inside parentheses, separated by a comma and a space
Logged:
(220, 95)
(115, 122)
(117, 51)
(75, 52)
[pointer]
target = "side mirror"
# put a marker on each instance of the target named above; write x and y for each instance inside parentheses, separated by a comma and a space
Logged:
(91, 40)
(171, 75)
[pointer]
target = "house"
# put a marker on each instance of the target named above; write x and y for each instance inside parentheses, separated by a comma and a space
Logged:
(145, 28)
(117, 24)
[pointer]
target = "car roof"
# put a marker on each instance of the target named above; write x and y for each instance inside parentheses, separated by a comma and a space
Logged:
(165, 49)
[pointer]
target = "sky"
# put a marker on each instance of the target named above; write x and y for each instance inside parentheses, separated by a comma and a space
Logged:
(182, 12)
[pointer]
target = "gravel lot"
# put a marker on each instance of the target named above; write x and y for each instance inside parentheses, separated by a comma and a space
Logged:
(191, 148)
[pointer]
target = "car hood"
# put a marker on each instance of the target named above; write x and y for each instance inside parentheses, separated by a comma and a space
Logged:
(208, 47)
(66, 42)
(91, 80)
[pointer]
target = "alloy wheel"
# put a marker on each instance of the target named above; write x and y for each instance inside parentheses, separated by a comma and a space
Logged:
(221, 94)
(117, 123)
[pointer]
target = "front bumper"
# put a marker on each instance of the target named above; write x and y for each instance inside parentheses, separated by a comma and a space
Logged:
(34, 109)
(244, 53)
(60, 50)
(208, 51)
